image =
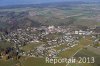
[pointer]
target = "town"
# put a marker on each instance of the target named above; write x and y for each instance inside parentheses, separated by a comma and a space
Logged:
(45, 41)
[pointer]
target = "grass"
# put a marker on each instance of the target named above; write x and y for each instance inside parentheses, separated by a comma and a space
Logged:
(87, 53)
(94, 50)
(68, 53)
(7, 63)
(83, 42)
(30, 46)
(5, 44)
(79, 64)
(37, 62)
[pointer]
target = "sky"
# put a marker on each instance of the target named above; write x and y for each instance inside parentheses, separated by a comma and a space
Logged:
(16, 2)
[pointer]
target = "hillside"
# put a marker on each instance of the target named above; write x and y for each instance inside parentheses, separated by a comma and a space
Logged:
(58, 14)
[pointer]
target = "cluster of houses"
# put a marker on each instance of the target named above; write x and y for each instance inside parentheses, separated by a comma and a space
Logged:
(47, 49)
(65, 36)
(80, 32)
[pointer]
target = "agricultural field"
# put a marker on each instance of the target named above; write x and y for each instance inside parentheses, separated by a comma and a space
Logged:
(30, 46)
(88, 53)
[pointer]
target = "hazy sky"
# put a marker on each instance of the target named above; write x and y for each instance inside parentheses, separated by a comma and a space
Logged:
(14, 2)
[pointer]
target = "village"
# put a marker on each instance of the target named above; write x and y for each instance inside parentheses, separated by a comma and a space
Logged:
(49, 40)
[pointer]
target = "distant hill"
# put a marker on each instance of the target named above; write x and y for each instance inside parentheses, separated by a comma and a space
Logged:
(58, 14)
(53, 4)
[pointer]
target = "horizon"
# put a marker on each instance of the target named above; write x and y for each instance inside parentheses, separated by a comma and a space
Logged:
(21, 2)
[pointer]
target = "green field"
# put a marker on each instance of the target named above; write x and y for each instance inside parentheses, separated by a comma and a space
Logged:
(87, 53)
(5, 44)
(7, 63)
(31, 46)
(83, 42)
